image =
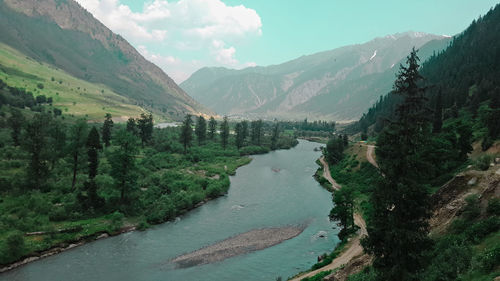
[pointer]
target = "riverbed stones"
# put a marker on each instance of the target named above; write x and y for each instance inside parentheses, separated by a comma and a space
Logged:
(247, 242)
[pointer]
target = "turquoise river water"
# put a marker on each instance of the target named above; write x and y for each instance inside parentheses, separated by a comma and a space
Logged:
(275, 189)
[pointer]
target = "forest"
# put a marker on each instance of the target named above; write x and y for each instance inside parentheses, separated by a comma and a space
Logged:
(66, 179)
(424, 131)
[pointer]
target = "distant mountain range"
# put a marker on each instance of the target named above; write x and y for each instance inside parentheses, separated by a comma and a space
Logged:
(339, 84)
(62, 33)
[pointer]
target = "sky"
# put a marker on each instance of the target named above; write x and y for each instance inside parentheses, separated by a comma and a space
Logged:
(183, 36)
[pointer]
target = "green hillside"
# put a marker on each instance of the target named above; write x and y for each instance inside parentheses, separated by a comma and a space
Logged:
(70, 94)
(63, 34)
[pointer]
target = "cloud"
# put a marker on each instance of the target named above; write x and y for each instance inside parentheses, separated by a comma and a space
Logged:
(176, 68)
(208, 26)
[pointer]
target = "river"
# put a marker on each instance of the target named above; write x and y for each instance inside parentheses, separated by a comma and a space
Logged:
(276, 189)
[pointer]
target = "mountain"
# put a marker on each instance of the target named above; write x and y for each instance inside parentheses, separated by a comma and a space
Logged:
(63, 34)
(466, 73)
(338, 84)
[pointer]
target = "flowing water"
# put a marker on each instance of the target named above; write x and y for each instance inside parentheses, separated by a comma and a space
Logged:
(275, 190)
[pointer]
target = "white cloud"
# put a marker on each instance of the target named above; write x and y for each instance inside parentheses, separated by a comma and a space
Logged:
(176, 68)
(208, 26)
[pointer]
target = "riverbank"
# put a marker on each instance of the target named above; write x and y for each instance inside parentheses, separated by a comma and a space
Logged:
(274, 190)
(101, 227)
(353, 251)
(100, 234)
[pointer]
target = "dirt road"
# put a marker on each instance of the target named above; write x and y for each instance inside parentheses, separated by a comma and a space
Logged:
(369, 155)
(352, 249)
(327, 175)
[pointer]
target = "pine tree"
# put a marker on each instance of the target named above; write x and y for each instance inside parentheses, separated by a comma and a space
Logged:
(275, 135)
(256, 131)
(398, 225)
(57, 133)
(343, 211)
(132, 126)
(35, 143)
(212, 128)
(106, 129)
(93, 146)
(201, 129)
(145, 126)
(438, 114)
(244, 131)
(186, 132)
(239, 135)
(123, 166)
(77, 140)
(224, 132)
(16, 121)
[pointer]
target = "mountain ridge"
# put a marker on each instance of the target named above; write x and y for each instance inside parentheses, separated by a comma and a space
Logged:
(280, 91)
(75, 41)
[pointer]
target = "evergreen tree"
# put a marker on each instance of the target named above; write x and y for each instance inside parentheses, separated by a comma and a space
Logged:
(239, 135)
(106, 129)
(438, 114)
(224, 132)
(132, 126)
(256, 131)
(212, 128)
(343, 210)
(76, 145)
(123, 166)
(201, 129)
(16, 121)
(464, 141)
(145, 126)
(334, 150)
(186, 132)
(275, 135)
(244, 131)
(57, 133)
(93, 146)
(35, 143)
(88, 196)
(345, 140)
(398, 224)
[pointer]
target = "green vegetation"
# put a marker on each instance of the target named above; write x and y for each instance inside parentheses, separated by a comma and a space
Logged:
(65, 92)
(87, 51)
(416, 154)
(60, 184)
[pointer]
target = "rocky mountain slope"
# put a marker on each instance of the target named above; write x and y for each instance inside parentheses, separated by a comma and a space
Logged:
(338, 84)
(62, 33)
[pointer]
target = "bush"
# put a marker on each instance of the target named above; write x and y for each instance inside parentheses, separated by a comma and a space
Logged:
(143, 225)
(58, 214)
(489, 260)
(479, 230)
(493, 206)
(472, 210)
(253, 149)
(13, 248)
(116, 220)
(483, 162)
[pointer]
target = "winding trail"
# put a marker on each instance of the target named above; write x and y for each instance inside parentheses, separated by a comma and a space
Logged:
(327, 175)
(369, 155)
(354, 248)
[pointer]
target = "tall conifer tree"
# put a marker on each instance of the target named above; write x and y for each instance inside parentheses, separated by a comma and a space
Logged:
(398, 225)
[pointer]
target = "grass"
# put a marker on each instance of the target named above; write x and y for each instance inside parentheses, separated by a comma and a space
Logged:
(71, 95)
